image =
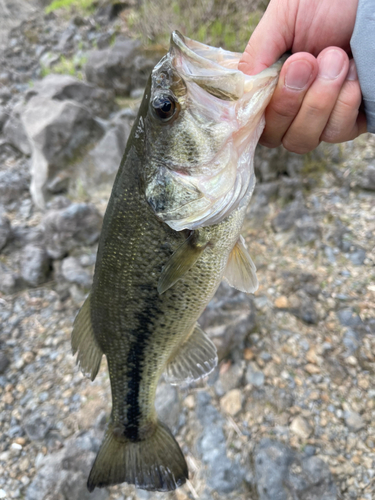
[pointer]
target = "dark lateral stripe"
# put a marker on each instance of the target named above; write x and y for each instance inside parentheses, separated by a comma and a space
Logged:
(136, 358)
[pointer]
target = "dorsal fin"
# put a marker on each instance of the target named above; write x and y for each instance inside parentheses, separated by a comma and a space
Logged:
(84, 342)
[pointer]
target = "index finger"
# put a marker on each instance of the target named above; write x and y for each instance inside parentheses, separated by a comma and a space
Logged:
(270, 40)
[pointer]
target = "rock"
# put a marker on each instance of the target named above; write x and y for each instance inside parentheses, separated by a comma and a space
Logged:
(35, 264)
(354, 421)
(230, 379)
(76, 225)
(231, 403)
(73, 272)
(357, 256)
(348, 318)
(64, 474)
(3, 117)
(5, 231)
(224, 475)
(301, 427)
(367, 179)
(14, 182)
(66, 87)
(36, 427)
(9, 281)
(100, 166)
(121, 67)
(282, 302)
(303, 307)
(4, 362)
(287, 217)
(351, 340)
(15, 133)
(228, 318)
(307, 230)
(56, 130)
(254, 377)
(167, 405)
(270, 164)
(282, 474)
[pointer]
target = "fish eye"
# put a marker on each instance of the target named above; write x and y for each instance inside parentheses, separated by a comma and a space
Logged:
(164, 107)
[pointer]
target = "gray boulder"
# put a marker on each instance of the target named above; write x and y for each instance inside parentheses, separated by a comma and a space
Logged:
(5, 231)
(73, 272)
(14, 182)
(15, 133)
(9, 281)
(57, 130)
(63, 475)
(76, 225)
(282, 474)
(35, 264)
(122, 67)
(100, 166)
(66, 87)
(3, 117)
(224, 475)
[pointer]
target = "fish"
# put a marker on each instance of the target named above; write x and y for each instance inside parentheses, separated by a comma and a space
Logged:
(171, 233)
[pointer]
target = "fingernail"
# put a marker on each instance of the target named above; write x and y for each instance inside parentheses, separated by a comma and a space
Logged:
(352, 73)
(331, 64)
(298, 75)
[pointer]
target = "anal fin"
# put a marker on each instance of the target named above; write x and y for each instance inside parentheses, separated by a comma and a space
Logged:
(195, 358)
(240, 271)
(84, 342)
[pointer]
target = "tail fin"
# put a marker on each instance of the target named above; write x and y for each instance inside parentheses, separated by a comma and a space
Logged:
(155, 464)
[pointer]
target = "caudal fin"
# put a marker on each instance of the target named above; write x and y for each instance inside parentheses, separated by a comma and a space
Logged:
(155, 464)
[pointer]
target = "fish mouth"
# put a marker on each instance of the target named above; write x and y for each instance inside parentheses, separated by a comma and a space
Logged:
(215, 69)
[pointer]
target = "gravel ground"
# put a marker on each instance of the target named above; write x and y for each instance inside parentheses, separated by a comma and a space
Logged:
(289, 411)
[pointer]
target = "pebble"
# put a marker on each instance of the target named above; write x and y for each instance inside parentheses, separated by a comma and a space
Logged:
(300, 427)
(231, 403)
(354, 421)
(312, 369)
(281, 302)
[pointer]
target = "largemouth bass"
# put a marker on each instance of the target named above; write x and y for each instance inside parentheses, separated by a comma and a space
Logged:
(171, 232)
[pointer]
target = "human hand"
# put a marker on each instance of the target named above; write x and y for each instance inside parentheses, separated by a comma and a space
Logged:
(317, 98)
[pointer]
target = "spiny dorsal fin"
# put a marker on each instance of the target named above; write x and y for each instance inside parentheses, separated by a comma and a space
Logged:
(195, 359)
(84, 341)
(181, 261)
(240, 271)
(155, 463)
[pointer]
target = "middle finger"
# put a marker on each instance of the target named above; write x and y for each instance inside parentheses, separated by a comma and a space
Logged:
(304, 133)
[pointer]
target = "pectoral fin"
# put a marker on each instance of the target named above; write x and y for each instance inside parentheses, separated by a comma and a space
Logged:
(195, 359)
(240, 271)
(181, 261)
(84, 342)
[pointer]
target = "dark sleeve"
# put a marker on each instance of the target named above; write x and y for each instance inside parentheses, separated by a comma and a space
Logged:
(363, 48)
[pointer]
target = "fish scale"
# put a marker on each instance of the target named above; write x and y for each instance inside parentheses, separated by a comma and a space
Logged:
(151, 281)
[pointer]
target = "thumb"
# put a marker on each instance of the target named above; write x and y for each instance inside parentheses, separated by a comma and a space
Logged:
(271, 38)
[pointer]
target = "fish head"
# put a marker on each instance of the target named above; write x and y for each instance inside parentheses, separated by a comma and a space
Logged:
(203, 121)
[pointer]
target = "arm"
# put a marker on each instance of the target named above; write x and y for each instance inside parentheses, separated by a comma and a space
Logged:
(363, 48)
